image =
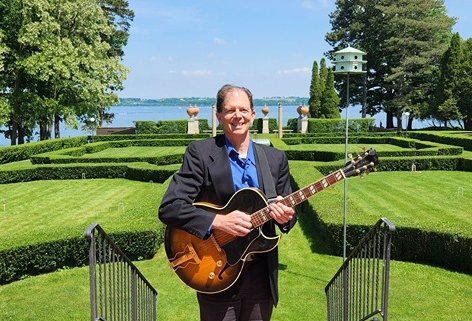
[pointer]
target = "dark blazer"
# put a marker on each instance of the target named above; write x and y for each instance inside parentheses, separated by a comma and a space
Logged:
(205, 176)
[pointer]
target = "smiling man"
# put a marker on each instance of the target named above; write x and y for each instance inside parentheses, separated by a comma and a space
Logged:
(215, 171)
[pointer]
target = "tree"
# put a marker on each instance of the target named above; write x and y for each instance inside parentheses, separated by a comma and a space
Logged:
(324, 100)
(463, 91)
(404, 41)
(448, 83)
(63, 61)
(330, 99)
(4, 108)
(316, 92)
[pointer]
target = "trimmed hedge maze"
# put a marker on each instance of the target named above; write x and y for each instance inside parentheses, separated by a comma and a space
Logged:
(73, 158)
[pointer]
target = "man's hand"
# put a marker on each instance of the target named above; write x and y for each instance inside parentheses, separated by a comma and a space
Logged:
(235, 223)
(280, 212)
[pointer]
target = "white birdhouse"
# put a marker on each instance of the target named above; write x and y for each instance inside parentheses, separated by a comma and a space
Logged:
(348, 61)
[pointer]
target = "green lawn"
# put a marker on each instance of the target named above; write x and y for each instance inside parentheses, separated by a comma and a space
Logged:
(49, 210)
(138, 151)
(46, 210)
(431, 200)
(417, 292)
(353, 148)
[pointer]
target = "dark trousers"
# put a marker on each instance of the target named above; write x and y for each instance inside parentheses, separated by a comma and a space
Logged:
(249, 299)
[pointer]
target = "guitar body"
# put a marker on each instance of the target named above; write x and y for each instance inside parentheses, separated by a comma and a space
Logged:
(214, 264)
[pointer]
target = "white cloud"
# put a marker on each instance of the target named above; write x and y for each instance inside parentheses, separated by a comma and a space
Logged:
(307, 4)
(303, 70)
(195, 73)
(219, 41)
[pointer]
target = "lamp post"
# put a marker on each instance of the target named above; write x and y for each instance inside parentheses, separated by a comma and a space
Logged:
(92, 125)
(347, 61)
(407, 118)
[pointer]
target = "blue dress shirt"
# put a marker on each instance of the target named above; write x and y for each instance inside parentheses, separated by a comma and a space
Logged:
(244, 171)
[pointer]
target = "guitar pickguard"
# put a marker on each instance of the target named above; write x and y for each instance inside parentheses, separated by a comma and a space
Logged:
(254, 242)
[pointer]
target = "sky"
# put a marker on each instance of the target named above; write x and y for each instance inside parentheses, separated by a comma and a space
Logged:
(185, 48)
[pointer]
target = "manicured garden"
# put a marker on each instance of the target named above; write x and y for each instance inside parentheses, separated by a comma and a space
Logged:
(50, 200)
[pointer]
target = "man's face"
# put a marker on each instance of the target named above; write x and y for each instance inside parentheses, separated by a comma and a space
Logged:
(236, 116)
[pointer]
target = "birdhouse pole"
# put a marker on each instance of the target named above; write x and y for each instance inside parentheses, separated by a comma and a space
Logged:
(346, 62)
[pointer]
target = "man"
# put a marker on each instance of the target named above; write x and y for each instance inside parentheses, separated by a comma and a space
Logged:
(212, 171)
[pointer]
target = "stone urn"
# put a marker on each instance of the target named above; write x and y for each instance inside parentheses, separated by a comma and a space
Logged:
(265, 110)
(303, 110)
(193, 111)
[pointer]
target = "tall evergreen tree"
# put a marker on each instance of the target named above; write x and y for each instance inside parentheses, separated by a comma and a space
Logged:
(330, 99)
(316, 92)
(324, 100)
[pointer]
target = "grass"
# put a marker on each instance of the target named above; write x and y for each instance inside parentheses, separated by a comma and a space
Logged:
(50, 209)
(137, 151)
(353, 148)
(417, 292)
(431, 200)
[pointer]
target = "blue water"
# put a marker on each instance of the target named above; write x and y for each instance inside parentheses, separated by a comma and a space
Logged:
(127, 115)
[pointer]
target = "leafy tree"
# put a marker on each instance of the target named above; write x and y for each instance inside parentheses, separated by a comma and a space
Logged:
(463, 91)
(4, 110)
(404, 41)
(445, 105)
(119, 16)
(63, 61)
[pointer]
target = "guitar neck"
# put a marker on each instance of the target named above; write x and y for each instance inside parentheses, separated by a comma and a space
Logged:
(260, 217)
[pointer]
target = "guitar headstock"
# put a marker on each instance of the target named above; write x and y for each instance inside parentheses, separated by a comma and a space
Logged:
(361, 164)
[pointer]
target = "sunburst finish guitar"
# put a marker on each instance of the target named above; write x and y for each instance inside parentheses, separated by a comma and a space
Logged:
(214, 264)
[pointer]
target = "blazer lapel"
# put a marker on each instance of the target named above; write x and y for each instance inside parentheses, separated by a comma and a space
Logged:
(220, 171)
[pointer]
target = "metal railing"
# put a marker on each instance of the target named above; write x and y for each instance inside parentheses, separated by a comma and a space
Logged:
(118, 291)
(359, 289)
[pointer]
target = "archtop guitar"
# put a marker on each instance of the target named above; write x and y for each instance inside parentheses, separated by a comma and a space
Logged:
(214, 264)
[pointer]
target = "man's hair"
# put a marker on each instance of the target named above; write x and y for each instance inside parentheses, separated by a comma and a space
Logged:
(221, 95)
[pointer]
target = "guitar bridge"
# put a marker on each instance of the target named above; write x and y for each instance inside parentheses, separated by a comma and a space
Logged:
(189, 254)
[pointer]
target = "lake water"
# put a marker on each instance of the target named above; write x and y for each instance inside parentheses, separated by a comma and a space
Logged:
(125, 116)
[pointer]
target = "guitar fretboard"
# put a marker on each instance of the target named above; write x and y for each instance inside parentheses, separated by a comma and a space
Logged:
(260, 217)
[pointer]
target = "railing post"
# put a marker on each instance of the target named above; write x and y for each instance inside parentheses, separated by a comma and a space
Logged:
(359, 289)
(124, 293)
(89, 233)
(134, 296)
(345, 292)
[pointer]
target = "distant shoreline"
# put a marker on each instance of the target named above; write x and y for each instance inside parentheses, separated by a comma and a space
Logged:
(207, 101)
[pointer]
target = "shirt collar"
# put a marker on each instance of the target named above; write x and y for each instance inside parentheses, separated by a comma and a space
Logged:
(250, 151)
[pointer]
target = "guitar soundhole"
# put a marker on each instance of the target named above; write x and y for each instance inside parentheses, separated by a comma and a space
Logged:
(220, 277)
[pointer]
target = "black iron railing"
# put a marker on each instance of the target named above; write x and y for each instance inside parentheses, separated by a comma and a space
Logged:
(359, 289)
(118, 291)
